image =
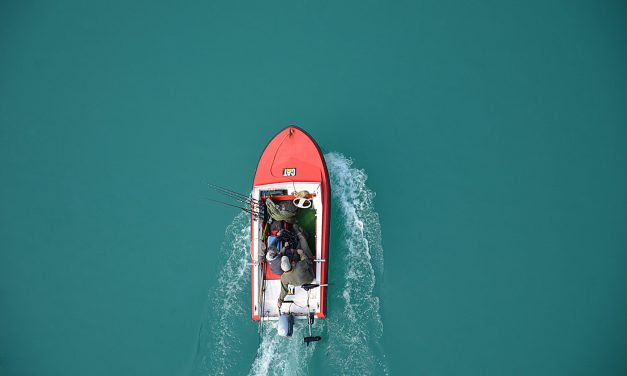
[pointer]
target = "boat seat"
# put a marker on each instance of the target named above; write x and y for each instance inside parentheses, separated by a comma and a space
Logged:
(269, 275)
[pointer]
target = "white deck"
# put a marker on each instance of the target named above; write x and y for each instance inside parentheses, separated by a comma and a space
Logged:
(273, 287)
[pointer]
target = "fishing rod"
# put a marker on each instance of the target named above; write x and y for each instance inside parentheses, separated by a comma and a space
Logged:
(249, 211)
(262, 295)
(241, 199)
(218, 187)
(256, 206)
(244, 201)
(232, 193)
(248, 204)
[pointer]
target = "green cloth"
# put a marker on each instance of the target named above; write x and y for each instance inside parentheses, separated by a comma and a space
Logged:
(281, 213)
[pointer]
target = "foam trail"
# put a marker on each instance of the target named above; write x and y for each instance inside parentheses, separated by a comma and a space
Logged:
(228, 304)
(278, 356)
(355, 329)
(219, 343)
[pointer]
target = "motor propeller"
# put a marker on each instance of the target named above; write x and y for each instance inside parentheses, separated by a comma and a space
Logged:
(310, 319)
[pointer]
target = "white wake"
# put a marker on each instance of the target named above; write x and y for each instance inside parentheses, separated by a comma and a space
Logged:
(356, 328)
(278, 356)
(353, 329)
(228, 303)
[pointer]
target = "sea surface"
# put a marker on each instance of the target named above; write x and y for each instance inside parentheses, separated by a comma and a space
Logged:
(477, 155)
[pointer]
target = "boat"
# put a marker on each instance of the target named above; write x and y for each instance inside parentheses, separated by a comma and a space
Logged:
(291, 172)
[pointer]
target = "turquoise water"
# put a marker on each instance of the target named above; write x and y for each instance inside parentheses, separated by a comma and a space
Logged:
(492, 135)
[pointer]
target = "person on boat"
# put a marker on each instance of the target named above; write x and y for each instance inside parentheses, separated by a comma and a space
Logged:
(302, 240)
(274, 259)
(295, 273)
(274, 256)
(298, 271)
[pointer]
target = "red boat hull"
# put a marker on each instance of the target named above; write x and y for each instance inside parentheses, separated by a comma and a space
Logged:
(293, 156)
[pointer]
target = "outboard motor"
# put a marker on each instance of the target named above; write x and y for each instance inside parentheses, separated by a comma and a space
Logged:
(311, 315)
(285, 325)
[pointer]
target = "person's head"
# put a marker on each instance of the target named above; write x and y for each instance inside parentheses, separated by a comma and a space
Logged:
(272, 254)
(286, 266)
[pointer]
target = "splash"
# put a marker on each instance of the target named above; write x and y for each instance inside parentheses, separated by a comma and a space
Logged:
(220, 340)
(228, 304)
(355, 329)
(278, 356)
